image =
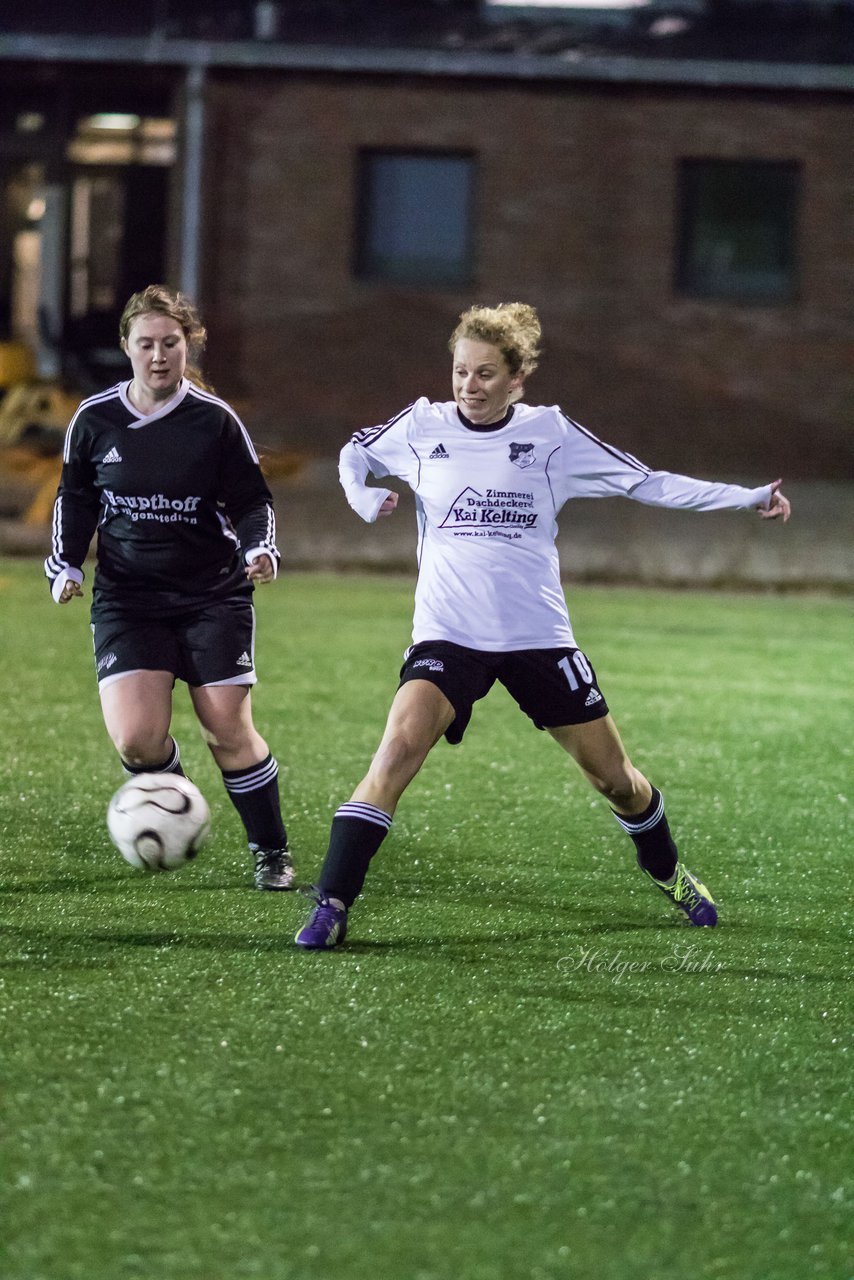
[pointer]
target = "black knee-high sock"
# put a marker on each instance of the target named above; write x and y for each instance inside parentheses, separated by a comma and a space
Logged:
(357, 832)
(657, 851)
(172, 764)
(254, 792)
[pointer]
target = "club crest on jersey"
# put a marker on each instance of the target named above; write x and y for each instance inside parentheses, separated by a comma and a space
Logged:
(522, 454)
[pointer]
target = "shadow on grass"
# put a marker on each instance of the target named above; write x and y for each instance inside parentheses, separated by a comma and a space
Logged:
(64, 884)
(40, 942)
(120, 884)
(43, 950)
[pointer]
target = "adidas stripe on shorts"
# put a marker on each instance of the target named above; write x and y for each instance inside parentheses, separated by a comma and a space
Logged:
(214, 644)
(554, 687)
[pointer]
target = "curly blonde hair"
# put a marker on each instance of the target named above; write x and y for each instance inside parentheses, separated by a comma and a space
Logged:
(513, 327)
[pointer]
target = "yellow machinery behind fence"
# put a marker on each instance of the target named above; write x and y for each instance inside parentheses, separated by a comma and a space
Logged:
(34, 415)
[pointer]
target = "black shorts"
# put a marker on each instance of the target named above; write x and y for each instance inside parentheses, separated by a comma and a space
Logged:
(211, 645)
(554, 687)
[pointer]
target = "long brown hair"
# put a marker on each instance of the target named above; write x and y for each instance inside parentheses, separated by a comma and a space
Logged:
(157, 299)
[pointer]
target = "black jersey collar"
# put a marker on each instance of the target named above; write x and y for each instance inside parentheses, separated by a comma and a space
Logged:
(490, 426)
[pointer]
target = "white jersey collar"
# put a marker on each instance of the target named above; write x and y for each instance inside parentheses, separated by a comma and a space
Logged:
(144, 418)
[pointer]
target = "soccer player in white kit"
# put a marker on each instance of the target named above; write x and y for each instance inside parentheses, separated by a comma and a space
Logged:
(489, 476)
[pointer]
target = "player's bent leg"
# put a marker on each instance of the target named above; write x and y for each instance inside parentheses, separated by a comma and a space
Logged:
(137, 711)
(224, 713)
(639, 809)
(250, 775)
(597, 749)
(419, 715)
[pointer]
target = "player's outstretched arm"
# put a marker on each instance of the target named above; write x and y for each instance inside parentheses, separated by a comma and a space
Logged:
(778, 504)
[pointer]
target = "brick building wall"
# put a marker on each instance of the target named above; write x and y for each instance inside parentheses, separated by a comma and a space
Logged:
(576, 203)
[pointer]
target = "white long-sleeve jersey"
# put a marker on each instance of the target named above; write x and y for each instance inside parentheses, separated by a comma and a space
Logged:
(487, 501)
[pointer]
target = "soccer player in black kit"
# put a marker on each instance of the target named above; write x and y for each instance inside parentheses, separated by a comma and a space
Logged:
(168, 475)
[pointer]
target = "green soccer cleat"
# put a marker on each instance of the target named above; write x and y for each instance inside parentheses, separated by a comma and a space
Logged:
(690, 896)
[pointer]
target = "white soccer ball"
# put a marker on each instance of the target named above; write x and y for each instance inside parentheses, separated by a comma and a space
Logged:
(158, 821)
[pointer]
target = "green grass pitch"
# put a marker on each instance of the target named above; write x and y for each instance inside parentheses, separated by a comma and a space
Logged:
(523, 1066)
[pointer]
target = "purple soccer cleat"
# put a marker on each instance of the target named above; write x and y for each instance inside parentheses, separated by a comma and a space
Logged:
(690, 896)
(326, 927)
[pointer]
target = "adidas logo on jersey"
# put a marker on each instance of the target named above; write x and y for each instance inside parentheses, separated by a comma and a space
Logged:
(440, 452)
(112, 456)
(592, 698)
(244, 660)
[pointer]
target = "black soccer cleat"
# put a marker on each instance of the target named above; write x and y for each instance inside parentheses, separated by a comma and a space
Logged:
(274, 869)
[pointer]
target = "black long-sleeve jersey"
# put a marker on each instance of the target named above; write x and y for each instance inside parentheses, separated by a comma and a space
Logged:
(177, 497)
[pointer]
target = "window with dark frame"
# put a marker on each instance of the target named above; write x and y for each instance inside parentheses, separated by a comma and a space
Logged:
(415, 217)
(738, 229)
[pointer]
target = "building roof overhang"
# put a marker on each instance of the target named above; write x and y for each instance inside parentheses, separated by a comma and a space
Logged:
(569, 66)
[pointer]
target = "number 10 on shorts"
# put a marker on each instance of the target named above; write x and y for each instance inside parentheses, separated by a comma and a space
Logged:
(582, 666)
